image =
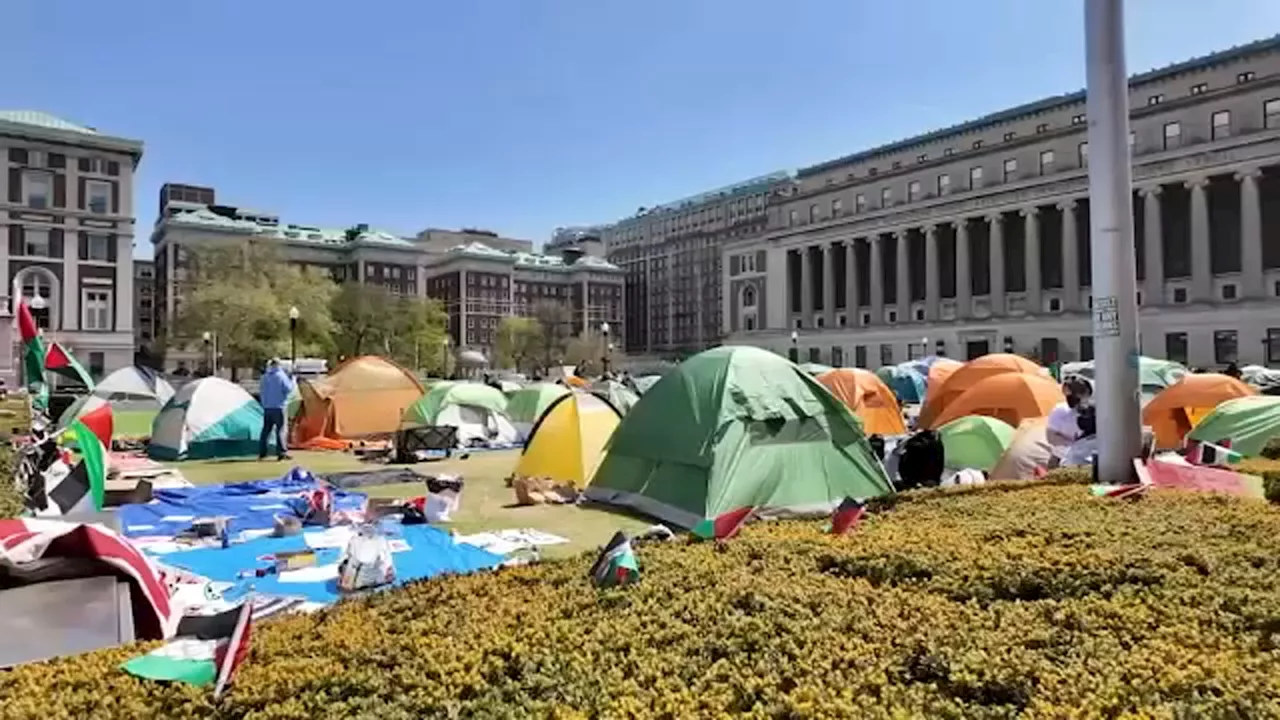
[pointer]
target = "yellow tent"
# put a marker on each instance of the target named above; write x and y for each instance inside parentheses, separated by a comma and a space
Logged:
(567, 442)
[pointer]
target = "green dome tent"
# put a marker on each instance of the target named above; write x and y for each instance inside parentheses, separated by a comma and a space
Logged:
(734, 427)
(621, 397)
(477, 410)
(1247, 422)
(526, 406)
(975, 441)
(1154, 374)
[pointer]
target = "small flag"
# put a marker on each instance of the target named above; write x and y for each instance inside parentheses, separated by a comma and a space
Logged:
(724, 526)
(84, 487)
(1203, 453)
(99, 422)
(207, 649)
(848, 516)
(60, 360)
(616, 564)
(1119, 492)
(32, 357)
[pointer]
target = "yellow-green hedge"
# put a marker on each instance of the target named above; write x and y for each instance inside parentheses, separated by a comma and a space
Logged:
(989, 603)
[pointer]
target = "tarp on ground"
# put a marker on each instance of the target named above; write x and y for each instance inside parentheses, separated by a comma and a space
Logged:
(364, 397)
(975, 441)
(568, 441)
(1179, 408)
(1244, 424)
(1012, 397)
(734, 427)
(868, 397)
(207, 418)
(940, 396)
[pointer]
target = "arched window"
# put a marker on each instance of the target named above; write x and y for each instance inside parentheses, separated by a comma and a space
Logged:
(38, 288)
(748, 296)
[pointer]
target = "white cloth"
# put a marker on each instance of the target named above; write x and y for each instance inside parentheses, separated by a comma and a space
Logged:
(1081, 451)
(1062, 426)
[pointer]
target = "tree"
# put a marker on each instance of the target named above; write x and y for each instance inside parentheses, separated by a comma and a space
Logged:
(519, 341)
(419, 327)
(556, 321)
(241, 294)
(407, 329)
(588, 350)
(362, 314)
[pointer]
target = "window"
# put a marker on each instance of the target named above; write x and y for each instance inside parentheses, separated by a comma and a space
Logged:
(1086, 347)
(1273, 345)
(96, 309)
(749, 323)
(813, 213)
(860, 356)
(1199, 88)
(97, 196)
(1179, 295)
(815, 355)
(1082, 154)
(1246, 76)
(1055, 305)
(38, 189)
(975, 177)
(1077, 119)
(37, 291)
(1046, 162)
(944, 184)
(1155, 100)
(872, 172)
(977, 144)
(1225, 347)
(1271, 113)
(837, 204)
(913, 190)
(748, 297)
(886, 197)
(1172, 135)
(1042, 128)
(1220, 125)
(1175, 346)
(837, 356)
(1049, 350)
(98, 247)
(793, 217)
(886, 354)
(36, 243)
(859, 202)
(97, 364)
(1010, 136)
(1229, 291)
(1010, 169)
(922, 157)
(897, 164)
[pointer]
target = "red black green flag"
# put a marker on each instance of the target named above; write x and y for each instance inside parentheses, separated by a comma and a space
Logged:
(724, 526)
(32, 357)
(847, 516)
(60, 360)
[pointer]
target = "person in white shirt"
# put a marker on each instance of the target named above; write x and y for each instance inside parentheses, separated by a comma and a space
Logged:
(1063, 422)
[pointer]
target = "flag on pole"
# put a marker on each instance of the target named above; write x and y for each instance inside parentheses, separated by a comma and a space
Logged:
(1203, 453)
(32, 357)
(60, 360)
(99, 422)
(616, 565)
(724, 526)
(206, 650)
(847, 516)
(84, 487)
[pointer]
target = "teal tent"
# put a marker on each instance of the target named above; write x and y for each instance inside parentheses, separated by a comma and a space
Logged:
(905, 381)
(207, 418)
(736, 427)
(1246, 424)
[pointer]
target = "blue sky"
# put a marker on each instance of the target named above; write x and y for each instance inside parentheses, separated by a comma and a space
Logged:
(521, 115)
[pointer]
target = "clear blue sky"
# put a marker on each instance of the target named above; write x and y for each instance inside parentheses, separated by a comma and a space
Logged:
(521, 115)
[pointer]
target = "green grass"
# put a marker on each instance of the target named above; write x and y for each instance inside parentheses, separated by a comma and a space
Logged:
(132, 423)
(487, 504)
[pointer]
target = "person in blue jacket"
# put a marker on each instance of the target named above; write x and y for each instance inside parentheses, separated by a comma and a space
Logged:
(274, 390)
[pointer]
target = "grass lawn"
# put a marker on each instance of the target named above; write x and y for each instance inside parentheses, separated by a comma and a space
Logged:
(132, 423)
(487, 504)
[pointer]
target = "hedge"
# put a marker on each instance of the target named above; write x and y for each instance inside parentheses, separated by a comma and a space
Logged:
(12, 502)
(1040, 602)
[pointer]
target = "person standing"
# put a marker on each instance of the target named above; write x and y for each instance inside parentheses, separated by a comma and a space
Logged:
(274, 390)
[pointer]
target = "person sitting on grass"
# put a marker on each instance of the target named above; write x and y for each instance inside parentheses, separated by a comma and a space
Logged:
(273, 391)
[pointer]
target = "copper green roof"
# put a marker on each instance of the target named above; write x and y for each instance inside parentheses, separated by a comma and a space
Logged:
(533, 261)
(36, 118)
(202, 217)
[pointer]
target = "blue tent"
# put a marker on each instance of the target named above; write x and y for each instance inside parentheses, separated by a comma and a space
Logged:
(905, 382)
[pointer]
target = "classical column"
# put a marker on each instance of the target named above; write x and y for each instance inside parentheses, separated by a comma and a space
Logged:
(851, 294)
(1070, 255)
(1250, 233)
(828, 285)
(125, 300)
(1201, 254)
(1031, 235)
(931, 290)
(777, 294)
(996, 296)
(806, 285)
(903, 277)
(1152, 246)
(964, 271)
(877, 281)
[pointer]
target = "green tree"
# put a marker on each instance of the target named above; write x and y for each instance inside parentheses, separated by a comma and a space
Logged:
(363, 315)
(519, 341)
(372, 319)
(242, 293)
(556, 321)
(418, 329)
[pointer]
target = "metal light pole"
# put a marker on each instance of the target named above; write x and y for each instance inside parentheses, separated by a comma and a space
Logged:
(444, 360)
(211, 348)
(795, 349)
(293, 339)
(1115, 305)
(608, 347)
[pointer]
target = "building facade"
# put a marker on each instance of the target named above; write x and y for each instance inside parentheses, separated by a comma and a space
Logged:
(66, 204)
(975, 238)
(144, 279)
(479, 275)
(672, 257)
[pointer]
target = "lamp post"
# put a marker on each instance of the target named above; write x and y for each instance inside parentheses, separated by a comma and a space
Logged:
(924, 347)
(293, 339)
(211, 352)
(604, 362)
(444, 360)
(795, 349)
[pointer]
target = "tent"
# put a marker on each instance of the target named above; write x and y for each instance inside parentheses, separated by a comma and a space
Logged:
(975, 441)
(814, 368)
(620, 396)
(135, 394)
(526, 406)
(868, 397)
(644, 382)
(906, 382)
(365, 396)
(1179, 407)
(940, 396)
(939, 370)
(1029, 451)
(1265, 379)
(569, 439)
(207, 418)
(1154, 374)
(1011, 397)
(734, 427)
(477, 410)
(1245, 424)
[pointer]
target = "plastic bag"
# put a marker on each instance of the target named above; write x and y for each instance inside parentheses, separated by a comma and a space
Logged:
(366, 562)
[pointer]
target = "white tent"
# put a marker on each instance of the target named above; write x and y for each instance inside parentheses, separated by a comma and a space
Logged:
(478, 423)
(208, 418)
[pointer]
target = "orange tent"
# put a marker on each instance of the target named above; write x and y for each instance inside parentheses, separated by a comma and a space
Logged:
(1009, 396)
(868, 397)
(1178, 408)
(940, 395)
(940, 370)
(365, 396)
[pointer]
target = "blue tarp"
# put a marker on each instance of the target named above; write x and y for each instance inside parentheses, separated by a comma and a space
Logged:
(251, 505)
(431, 552)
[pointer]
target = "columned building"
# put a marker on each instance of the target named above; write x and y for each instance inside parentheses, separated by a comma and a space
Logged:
(976, 238)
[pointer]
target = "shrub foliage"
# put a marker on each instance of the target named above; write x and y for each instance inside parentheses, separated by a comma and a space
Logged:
(1040, 602)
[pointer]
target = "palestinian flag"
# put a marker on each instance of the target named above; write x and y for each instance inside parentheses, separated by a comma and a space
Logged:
(1119, 492)
(1203, 453)
(207, 649)
(847, 516)
(725, 526)
(99, 422)
(616, 564)
(84, 488)
(60, 360)
(32, 357)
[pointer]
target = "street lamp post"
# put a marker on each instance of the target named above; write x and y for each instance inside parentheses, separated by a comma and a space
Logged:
(608, 347)
(211, 351)
(293, 339)
(795, 349)
(444, 360)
